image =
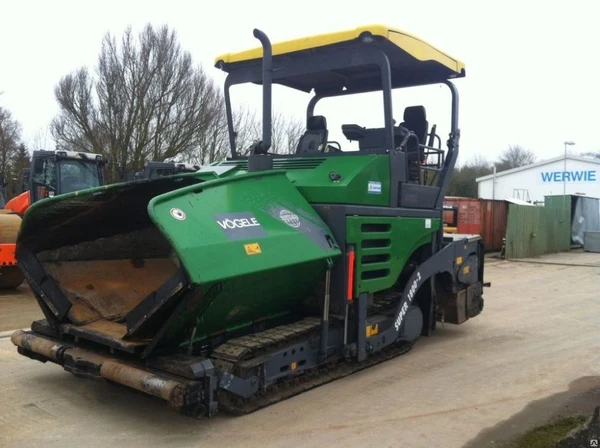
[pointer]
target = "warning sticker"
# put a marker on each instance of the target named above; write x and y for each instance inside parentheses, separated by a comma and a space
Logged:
(252, 249)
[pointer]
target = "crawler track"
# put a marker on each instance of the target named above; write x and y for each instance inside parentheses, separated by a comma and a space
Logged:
(231, 357)
(310, 379)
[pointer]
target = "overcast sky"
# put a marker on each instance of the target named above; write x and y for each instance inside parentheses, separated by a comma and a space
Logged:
(532, 69)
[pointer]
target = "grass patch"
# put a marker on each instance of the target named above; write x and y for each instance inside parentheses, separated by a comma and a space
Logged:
(549, 435)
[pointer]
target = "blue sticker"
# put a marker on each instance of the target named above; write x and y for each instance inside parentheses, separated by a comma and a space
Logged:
(374, 187)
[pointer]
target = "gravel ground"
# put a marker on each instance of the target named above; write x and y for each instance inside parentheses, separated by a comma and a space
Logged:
(18, 308)
(532, 354)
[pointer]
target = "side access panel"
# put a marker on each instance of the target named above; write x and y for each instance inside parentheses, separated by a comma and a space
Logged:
(383, 246)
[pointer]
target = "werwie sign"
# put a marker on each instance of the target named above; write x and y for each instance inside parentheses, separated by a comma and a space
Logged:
(569, 176)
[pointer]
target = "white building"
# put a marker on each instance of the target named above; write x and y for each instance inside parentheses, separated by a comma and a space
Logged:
(573, 175)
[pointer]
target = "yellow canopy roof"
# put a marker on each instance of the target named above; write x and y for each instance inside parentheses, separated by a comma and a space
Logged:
(415, 47)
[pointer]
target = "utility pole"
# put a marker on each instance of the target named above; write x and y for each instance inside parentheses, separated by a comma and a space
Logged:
(493, 205)
(494, 184)
(567, 143)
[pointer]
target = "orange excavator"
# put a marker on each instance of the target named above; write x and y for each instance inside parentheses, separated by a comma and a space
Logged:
(51, 173)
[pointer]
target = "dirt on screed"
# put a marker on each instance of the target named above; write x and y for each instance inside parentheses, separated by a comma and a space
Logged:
(532, 357)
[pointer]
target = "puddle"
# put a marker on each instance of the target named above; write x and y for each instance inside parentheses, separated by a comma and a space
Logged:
(582, 397)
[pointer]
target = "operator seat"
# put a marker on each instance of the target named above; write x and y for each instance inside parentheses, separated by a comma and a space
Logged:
(315, 136)
(415, 120)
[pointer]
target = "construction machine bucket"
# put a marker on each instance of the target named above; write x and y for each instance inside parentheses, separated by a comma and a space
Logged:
(156, 265)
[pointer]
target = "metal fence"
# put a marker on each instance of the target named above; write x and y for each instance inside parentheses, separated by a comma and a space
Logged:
(535, 231)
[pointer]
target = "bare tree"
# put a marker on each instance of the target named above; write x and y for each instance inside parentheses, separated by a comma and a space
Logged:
(595, 154)
(215, 146)
(21, 159)
(213, 143)
(10, 137)
(148, 101)
(42, 140)
(463, 181)
(285, 132)
(513, 157)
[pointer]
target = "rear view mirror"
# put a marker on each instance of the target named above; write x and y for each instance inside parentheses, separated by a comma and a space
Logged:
(38, 166)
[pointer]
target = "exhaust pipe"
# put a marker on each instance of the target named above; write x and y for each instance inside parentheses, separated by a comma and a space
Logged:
(265, 144)
(257, 160)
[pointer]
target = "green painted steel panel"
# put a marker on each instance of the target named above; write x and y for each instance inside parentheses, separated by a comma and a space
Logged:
(364, 179)
(535, 231)
(253, 238)
(383, 246)
(222, 216)
(558, 201)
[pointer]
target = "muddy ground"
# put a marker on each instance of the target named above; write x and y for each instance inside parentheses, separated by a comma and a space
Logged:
(531, 355)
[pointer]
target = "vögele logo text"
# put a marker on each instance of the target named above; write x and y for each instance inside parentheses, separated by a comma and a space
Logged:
(241, 225)
(238, 223)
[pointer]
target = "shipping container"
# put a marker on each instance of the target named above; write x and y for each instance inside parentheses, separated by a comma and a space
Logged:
(484, 217)
(584, 214)
(469, 214)
(535, 231)
(494, 219)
